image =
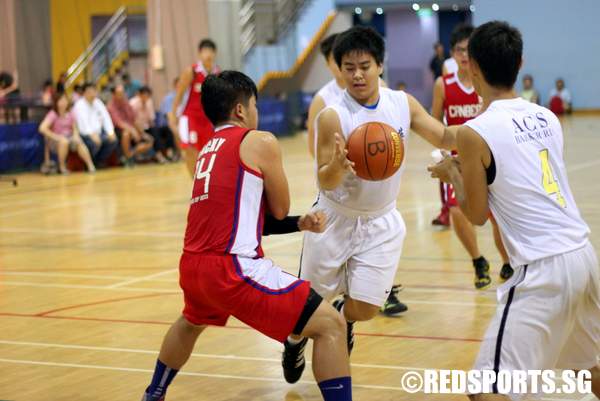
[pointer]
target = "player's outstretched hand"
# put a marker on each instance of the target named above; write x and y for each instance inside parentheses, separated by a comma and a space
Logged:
(340, 157)
(313, 221)
(445, 168)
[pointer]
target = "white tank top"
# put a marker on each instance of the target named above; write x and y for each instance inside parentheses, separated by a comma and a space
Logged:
(354, 193)
(330, 93)
(530, 196)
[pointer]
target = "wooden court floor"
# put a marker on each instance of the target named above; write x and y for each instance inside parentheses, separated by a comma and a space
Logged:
(88, 287)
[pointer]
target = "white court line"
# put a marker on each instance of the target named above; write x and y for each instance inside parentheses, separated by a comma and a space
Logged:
(91, 287)
(39, 208)
(99, 233)
(65, 275)
(211, 375)
(414, 301)
(151, 290)
(196, 355)
(140, 279)
(582, 166)
(589, 397)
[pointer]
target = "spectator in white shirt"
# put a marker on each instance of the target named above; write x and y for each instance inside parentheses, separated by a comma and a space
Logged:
(95, 126)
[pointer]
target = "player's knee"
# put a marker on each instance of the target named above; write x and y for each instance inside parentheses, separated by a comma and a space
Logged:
(334, 324)
(188, 326)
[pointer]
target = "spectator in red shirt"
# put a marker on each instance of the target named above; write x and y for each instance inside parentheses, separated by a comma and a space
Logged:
(126, 126)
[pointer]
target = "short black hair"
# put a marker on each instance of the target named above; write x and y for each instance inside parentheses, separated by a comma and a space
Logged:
(87, 85)
(209, 43)
(359, 39)
(460, 33)
(327, 45)
(77, 88)
(221, 92)
(125, 77)
(527, 76)
(145, 89)
(497, 48)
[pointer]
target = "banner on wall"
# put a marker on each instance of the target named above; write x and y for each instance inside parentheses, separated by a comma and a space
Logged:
(273, 116)
(21, 147)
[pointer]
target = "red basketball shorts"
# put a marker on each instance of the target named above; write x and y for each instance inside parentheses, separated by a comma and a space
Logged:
(255, 291)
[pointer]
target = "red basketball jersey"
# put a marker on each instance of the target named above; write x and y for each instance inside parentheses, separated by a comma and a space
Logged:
(227, 208)
(193, 104)
(460, 104)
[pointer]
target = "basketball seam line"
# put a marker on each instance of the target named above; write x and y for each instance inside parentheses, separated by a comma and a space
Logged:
(387, 144)
(366, 150)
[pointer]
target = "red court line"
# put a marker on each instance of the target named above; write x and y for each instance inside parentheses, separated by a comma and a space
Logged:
(159, 322)
(106, 301)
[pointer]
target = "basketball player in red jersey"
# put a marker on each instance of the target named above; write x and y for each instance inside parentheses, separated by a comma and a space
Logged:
(193, 126)
(239, 179)
(455, 98)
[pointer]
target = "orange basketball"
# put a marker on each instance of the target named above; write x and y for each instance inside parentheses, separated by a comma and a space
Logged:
(376, 149)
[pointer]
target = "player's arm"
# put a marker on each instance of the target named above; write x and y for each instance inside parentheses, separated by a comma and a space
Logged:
(437, 106)
(46, 131)
(315, 108)
(313, 221)
(331, 151)
(429, 128)
(261, 149)
(185, 80)
(468, 175)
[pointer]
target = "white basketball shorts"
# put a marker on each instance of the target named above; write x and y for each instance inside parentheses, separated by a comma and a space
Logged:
(548, 316)
(357, 254)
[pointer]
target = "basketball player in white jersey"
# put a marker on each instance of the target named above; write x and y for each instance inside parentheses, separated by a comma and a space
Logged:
(327, 96)
(510, 161)
(364, 231)
(456, 101)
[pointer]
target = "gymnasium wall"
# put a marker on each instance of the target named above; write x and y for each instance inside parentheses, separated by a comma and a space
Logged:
(177, 26)
(25, 44)
(70, 22)
(561, 39)
(409, 40)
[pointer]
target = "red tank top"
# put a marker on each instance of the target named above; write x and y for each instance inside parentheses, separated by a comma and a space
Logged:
(193, 105)
(227, 208)
(460, 103)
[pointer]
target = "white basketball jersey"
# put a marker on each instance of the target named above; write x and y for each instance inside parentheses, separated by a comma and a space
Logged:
(330, 93)
(530, 196)
(354, 192)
